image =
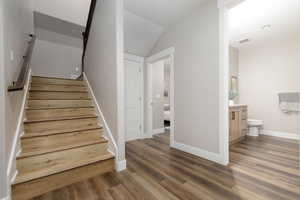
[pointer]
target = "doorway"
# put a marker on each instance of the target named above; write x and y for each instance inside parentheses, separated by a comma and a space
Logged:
(160, 93)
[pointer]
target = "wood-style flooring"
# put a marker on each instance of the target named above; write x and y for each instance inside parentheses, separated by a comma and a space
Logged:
(260, 168)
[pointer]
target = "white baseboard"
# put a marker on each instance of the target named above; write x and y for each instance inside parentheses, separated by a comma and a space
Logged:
(199, 152)
(293, 136)
(158, 131)
(120, 165)
(16, 148)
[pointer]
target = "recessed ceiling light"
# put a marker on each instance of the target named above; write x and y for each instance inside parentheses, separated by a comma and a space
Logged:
(267, 26)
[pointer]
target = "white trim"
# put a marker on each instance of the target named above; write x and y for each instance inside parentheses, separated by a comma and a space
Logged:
(107, 132)
(141, 61)
(149, 102)
(6, 198)
(134, 58)
(228, 3)
(172, 100)
(158, 131)
(120, 79)
(223, 86)
(13, 178)
(150, 60)
(16, 147)
(167, 52)
(198, 152)
(286, 135)
(120, 165)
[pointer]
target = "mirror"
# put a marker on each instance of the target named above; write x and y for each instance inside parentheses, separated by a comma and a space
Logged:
(233, 87)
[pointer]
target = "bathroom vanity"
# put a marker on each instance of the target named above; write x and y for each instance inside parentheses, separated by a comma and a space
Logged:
(237, 123)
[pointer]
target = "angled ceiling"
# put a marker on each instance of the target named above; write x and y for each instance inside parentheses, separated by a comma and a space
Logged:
(140, 35)
(57, 25)
(74, 11)
(162, 12)
(262, 21)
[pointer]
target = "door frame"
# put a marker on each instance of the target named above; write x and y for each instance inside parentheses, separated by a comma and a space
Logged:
(141, 61)
(224, 6)
(167, 53)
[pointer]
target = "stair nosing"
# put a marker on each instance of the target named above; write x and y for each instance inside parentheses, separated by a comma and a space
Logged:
(52, 108)
(29, 98)
(57, 78)
(62, 119)
(63, 149)
(106, 156)
(52, 91)
(26, 136)
(53, 84)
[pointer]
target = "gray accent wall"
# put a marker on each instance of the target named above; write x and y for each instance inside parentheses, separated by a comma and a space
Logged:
(58, 49)
(196, 70)
(56, 55)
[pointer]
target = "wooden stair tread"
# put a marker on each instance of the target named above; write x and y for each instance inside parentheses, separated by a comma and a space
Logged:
(63, 139)
(58, 114)
(44, 104)
(47, 144)
(36, 129)
(55, 81)
(46, 184)
(46, 95)
(34, 167)
(57, 88)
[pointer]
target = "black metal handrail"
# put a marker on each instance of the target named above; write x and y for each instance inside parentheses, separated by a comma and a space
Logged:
(20, 83)
(86, 33)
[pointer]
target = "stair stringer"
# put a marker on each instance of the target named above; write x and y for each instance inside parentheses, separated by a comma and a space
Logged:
(112, 145)
(12, 171)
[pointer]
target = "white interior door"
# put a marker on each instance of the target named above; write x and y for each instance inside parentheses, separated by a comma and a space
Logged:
(133, 100)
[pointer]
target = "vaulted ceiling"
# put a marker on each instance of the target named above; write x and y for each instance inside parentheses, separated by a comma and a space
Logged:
(146, 20)
(262, 21)
(162, 12)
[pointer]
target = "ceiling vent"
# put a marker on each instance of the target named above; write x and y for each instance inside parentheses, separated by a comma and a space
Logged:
(244, 41)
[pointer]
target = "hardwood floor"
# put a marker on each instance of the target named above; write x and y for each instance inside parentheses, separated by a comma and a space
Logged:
(260, 168)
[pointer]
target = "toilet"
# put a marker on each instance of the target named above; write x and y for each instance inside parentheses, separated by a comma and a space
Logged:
(254, 127)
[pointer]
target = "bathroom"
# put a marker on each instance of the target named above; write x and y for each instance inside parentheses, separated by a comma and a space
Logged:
(264, 69)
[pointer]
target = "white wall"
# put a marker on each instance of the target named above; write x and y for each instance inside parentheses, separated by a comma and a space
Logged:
(56, 55)
(16, 24)
(140, 35)
(196, 42)
(75, 11)
(266, 70)
(103, 64)
(3, 165)
(158, 94)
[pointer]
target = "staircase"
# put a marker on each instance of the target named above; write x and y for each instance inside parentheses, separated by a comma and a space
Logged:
(63, 139)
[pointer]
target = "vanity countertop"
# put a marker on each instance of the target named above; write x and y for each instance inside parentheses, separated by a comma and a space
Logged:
(237, 105)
